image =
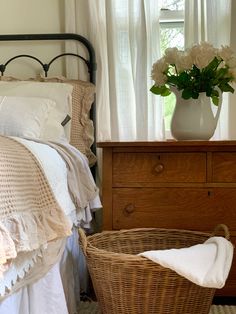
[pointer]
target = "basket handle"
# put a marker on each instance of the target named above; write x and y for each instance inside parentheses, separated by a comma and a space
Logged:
(224, 228)
(83, 240)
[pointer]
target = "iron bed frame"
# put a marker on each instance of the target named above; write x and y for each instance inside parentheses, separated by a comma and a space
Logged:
(90, 62)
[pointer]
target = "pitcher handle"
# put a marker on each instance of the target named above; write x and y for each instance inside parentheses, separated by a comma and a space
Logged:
(219, 105)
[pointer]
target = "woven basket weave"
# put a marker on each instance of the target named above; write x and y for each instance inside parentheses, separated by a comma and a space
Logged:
(125, 283)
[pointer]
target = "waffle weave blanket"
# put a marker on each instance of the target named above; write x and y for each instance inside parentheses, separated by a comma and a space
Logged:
(30, 216)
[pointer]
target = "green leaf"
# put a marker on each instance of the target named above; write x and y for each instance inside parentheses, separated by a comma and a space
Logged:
(208, 91)
(155, 90)
(173, 80)
(160, 90)
(166, 92)
(195, 71)
(221, 73)
(212, 65)
(215, 93)
(195, 94)
(215, 100)
(225, 87)
(187, 93)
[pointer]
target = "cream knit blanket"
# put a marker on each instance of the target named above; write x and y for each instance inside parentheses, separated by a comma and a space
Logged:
(29, 213)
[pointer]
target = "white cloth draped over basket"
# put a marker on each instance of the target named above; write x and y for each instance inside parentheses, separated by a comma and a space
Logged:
(206, 264)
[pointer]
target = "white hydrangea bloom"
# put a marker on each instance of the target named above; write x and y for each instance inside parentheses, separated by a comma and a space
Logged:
(171, 55)
(231, 62)
(158, 70)
(225, 53)
(174, 62)
(161, 80)
(184, 62)
(202, 54)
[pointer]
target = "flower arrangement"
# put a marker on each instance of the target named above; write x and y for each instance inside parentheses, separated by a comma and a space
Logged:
(202, 68)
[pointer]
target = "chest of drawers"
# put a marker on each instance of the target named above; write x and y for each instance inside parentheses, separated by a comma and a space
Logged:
(185, 185)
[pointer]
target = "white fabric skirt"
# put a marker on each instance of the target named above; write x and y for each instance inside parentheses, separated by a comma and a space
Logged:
(58, 292)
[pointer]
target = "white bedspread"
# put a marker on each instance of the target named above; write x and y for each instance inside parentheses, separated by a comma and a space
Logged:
(28, 267)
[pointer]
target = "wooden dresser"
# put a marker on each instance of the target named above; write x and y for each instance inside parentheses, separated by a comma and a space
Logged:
(171, 184)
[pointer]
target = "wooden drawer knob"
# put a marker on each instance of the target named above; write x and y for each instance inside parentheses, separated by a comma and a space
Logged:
(210, 193)
(129, 209)
(159, 168)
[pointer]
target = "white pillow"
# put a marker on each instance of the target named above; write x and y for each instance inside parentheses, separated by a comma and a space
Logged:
(24, 116)
(61, 93)
(53, 131)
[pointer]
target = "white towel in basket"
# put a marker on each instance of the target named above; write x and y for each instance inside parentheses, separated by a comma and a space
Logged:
(206, 264)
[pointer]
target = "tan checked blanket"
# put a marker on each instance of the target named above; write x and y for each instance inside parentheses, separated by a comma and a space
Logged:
(29, 213)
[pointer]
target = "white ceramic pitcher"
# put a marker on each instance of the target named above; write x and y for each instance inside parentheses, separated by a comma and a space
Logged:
(193, 119)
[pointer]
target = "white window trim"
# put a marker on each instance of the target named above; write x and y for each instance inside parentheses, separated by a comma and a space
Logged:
(169, 16)
(171, 19)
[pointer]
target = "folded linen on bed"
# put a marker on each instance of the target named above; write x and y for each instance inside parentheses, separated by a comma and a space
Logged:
(28, 209)
(206, 264)
(70, 178)
(81, 185)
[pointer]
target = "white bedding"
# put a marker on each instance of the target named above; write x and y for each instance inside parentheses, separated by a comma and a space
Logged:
(45, 296)
(56, 173)
(57, 292)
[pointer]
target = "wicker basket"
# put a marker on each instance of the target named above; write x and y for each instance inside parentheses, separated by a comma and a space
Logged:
(125, 283)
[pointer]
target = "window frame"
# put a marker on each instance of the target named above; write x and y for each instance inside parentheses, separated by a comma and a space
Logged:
(171, 19)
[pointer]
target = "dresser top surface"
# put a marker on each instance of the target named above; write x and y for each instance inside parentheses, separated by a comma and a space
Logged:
(169, 143)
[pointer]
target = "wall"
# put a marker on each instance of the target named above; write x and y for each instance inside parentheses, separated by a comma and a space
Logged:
(30, 16)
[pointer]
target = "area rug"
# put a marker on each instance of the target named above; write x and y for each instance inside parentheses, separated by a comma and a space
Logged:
(92, 308)
(220, 309)
(88, 308)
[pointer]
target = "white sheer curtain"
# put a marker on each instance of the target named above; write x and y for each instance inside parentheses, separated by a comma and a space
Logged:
(210, 21)
(125, 34)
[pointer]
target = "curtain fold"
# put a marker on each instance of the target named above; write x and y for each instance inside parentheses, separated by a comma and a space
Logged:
(210, 21)
(125, 35)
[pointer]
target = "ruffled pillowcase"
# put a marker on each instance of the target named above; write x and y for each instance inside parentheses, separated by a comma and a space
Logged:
(81, 126)
(24, 116)
(61, 94)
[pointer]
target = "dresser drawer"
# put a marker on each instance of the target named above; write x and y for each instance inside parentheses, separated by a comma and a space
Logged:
(182, 208)
(224, 167)
(158, 167)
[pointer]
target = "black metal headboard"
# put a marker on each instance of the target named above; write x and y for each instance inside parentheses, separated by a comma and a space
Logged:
(90, 61)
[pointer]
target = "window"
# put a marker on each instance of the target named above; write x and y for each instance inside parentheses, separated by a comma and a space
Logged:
(172, 35)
